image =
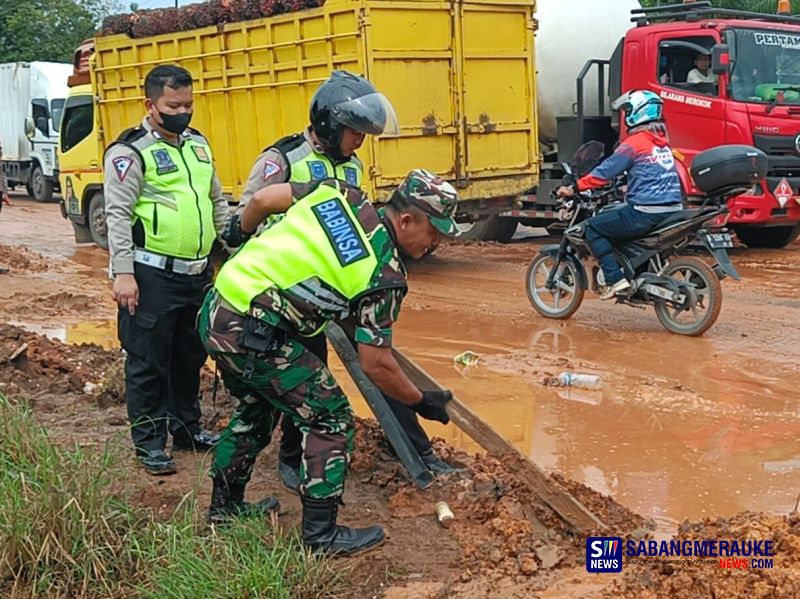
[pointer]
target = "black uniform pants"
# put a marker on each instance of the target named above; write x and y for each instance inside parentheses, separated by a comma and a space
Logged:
(290, 450)
(164, 356)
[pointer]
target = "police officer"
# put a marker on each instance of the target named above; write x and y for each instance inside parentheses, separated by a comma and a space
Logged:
(164, 208)
(343, 111)
(343, 259)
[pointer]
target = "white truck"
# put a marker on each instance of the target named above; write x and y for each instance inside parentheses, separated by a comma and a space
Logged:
(32, 96)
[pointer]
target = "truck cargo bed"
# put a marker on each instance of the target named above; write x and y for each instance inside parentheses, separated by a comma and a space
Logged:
(460, 75)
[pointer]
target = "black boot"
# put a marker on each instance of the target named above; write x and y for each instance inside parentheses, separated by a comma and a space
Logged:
(289, 475)
(227, 503)
(320, 532)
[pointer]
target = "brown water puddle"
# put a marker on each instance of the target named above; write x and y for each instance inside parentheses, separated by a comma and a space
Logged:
(669, 438)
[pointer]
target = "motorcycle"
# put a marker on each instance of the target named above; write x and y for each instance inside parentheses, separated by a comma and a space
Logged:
(684, 290)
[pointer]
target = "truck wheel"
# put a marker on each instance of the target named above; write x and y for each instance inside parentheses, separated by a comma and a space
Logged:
(97, 220)
(506, 227)
(41, 187)
(483, 230)
(767, 237)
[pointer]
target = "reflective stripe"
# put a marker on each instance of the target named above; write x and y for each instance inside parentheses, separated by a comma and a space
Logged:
(314, 286)
(163, 197)
(317, 301)
(185, 267)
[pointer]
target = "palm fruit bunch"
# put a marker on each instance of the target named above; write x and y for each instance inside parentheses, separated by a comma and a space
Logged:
(118, 24)
(277, 7)
(145, 23)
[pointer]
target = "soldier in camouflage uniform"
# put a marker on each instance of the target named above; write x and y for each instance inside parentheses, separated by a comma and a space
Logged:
(344, 110)
(332, 256)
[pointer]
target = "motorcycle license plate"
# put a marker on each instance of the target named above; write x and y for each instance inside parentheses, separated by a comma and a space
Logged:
(719, 240)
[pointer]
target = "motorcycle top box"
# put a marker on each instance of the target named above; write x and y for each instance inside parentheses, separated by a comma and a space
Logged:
(729, 168)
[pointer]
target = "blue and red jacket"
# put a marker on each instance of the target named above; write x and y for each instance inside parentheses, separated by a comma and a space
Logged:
(648, 160)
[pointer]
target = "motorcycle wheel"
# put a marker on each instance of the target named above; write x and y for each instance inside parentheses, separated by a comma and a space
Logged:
(562, 302)
(691, 320)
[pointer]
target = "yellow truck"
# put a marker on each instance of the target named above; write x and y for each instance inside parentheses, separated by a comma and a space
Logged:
(460, 75)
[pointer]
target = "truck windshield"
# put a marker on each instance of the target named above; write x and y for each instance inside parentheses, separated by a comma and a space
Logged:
(56, 110)
(767, 66)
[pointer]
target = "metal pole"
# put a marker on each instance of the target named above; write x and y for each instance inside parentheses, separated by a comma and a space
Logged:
(579, 98)
(601, 89)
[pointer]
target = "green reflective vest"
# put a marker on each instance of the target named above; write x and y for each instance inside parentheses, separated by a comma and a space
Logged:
(175, 206)
(306, 164)
(319, 256)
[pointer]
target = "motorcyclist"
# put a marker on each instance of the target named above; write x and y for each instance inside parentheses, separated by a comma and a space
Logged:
(654, 189)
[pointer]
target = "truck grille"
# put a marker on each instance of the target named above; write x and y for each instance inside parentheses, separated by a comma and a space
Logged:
(784, 159)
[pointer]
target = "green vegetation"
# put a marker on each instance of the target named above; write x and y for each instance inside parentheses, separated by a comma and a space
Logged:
(49, 29)
(68, 529)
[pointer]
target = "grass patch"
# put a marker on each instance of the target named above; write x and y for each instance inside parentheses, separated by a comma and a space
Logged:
(68, 529)
(238, 563)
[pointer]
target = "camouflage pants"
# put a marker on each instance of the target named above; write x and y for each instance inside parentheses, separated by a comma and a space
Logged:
(289, 380)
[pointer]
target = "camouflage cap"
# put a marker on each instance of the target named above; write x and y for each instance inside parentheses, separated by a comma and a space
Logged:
(434, 196)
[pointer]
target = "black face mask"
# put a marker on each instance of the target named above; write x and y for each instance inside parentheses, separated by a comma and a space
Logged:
(175, 123)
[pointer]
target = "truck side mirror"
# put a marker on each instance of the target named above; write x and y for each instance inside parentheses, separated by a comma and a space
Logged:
(41, 125)
(30, 127)
(720, 59)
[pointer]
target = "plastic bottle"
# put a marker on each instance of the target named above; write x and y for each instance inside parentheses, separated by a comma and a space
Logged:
(443, 514)
(580, 380)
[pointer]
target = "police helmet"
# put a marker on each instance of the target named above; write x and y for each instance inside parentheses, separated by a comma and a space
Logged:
(347, 100)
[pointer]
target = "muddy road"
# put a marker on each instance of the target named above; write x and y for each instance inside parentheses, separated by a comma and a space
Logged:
(682, 427)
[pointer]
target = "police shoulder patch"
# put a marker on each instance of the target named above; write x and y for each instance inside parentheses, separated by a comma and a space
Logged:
(335, 220)
(318, 170)
(122, 164)
(270, 168)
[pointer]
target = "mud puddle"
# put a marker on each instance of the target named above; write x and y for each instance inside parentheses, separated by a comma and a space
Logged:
(99, 332)
(682, 428)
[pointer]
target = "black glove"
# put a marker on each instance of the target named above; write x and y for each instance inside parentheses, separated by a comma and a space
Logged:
(570, 180)
(233, 234)
(432, 405)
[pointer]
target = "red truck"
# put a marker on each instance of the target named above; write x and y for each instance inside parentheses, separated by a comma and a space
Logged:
(754, 99)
